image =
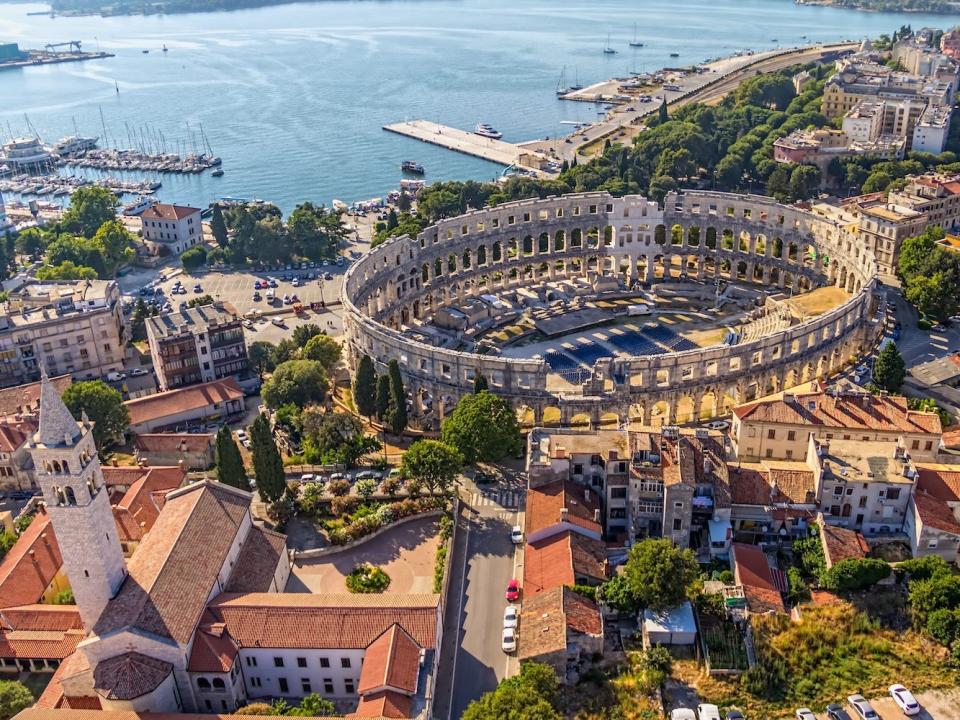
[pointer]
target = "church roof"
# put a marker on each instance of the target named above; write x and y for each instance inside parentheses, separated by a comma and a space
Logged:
(56, 422)
(128, 676)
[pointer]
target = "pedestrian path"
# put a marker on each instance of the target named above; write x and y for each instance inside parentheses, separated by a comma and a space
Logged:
(496, 498)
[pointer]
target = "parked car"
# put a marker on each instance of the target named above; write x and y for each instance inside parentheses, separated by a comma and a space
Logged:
(257, 297)
(137, 372)
(307, 478)
(248, 324)
(116, 376)
(278, 322)
(368, 475)
(862, 707)
(516, 535)
(717, 425)
(735, 715)
(938, 327)
(706, 711)
(272, 283)
(197, 288)
(508, 640)
(904, 699)
(683, 714)
(511, 614)
(835, 712)
(287, 300)
(805, 714)
(513, 590)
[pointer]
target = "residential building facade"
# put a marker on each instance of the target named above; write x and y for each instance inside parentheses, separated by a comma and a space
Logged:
(170, 229)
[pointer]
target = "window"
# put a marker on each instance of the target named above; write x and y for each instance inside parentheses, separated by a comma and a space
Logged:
(677, 524)
(251, 661)
(203, 684)
(284, 687)
(324, 662)
(791, 435)
(893, 494)
(328, 686)
(278, 662)
(678, 505)
(578, 469)
(618, 493)
(915, 445)
(218, 685)
(348, 686)
(834, 509)
(255, 682)
(305, 685)
(771, 434)
(838, 490)
(618, 513)
(344, 662)
(301, 662)
(789, 454)
(932, 543)
(928, 445)
(863, 501)
(769, 452)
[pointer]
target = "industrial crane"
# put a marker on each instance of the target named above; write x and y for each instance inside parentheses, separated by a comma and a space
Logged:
(73, 44)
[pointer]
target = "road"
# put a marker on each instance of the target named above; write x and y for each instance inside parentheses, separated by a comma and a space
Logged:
(484, 561)
(919, 346)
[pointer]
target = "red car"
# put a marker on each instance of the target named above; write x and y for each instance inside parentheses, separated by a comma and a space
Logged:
(513, 590)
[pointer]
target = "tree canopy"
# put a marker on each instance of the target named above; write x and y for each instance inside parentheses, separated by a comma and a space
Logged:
(230, 469)
(267, 464)
(90, 207)
(14, 697)
(930, 274)
(659, 574)
(534, 694)
(103, 405)
(301, 382)
(889, 370)
(432, 463)
(365, 387)
(323, 349)
(483, 427)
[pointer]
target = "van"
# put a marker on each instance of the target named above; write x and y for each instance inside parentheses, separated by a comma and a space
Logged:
(278, 322)
(639, 309)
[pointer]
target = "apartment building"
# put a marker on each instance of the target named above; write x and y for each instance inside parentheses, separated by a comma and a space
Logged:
(170, 229)
(73, 327)
(936, 195)
(932, 130)
(820, 146)
(196, 345)
(882, 226)
(933, 518)
(779, 428)
(950, 43)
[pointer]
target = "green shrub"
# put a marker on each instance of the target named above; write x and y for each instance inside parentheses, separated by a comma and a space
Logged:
(934, 593)
(855, 574)
(439, 567)
(193, 258)
(943, 625)
(366, 578)
(587, 591)
(924, 568)
(924, 324)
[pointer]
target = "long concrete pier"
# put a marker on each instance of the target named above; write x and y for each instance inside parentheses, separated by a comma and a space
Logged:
(498, 151)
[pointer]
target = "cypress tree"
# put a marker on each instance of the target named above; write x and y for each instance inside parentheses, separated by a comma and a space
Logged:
(383, 397)
(664, 115)
(267, 465)
(365, 387)
(479, 383)
(230, 468)
(398, 399)
(218, 227)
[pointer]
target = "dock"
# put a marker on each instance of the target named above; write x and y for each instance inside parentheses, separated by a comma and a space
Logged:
(38, 57)
(468, 143)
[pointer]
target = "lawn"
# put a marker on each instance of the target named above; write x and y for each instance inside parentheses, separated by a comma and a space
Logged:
(832, 652)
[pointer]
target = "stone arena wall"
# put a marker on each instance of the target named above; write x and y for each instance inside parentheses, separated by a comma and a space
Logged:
(696, 235)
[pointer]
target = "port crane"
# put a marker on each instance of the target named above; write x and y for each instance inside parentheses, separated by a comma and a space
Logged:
(74, 46)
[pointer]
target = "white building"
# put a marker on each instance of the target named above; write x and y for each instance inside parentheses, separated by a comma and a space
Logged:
(932, 130)
(171, 229)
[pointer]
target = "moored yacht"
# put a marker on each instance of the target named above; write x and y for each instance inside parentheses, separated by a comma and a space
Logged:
(25, 153)
(487, 131)
(410, 166)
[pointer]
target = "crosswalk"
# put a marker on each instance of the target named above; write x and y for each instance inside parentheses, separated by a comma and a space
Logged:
(496, 498)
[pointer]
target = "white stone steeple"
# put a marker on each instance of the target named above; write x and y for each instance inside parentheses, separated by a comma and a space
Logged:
(68, 471)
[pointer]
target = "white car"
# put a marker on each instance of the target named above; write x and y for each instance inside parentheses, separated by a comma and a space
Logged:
(706, 711)
(904, 699)
(717, 425)
(116, 376)
(508, 641)
(516, 535)
(683, 714)
(805, 714)
(137, 372)
(511, 614)
(862, 707)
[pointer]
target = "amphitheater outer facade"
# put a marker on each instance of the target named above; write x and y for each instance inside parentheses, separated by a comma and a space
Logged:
(700, 234)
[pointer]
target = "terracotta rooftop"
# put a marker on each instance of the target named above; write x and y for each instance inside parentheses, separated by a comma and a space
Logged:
(140, 506)
(557, 561)
(940, 481)
(386, 704)
(25, 399)
(41, 617)
(173, 442)
(391, 662)
(213, 648)
(841, 544)
(257, 562)
(753, 573)
(13, 435)
(545, 502)
(176, 567)
(128, 676)
(851, 411)
(37, 713)
(321, 621)
(170, 213)
(30, 565)
(546, 618)
(760, 484)
(53, 695)
(935, 513)
(172, 402)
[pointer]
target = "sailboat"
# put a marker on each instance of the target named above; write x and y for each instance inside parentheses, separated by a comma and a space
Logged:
(608, 50)
(635, 42)
(562, 88)
(576, 81)
(117, 86)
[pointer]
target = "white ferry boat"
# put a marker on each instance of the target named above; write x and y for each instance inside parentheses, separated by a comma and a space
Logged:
(25, 153)
(73, 144)
(140, 205)
(487, 131)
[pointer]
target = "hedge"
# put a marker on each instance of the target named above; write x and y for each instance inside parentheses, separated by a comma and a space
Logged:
(383, 516)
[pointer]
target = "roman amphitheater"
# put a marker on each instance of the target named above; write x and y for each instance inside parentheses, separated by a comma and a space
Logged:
(592, 308)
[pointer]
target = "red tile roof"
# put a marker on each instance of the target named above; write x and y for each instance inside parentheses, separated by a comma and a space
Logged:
(140, 506)
(47, 644)
(173, 402)
(176, 567)
(841, 544)
(30, 565)
(753, 572)
(170, 213)
(41, 617)
(257, 562)
(173, 442)
(557, 560)
(213, 648)
(25, 399)
(319, 621)
(13, 435)
(128, 676)
(46, 713)
(942, 481)
(935, 513)
(391, 662)
(53, 696)
(545, 502)
(385, 704)
(867, 412)
(545, 620)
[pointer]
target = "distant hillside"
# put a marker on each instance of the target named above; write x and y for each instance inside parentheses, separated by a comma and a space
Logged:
(925, 6)
(149, 7)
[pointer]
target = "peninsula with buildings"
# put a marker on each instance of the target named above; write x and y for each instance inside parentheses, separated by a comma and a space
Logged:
(666, 425)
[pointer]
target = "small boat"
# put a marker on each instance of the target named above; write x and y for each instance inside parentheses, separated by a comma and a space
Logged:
(145, 52)
(218, 172)
(165, 48)
(674, 54)
(635, 42)
(409, 166)
(487, 131)
(608, 50)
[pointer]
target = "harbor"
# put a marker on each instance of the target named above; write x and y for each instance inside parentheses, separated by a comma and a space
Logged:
(11, 56)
